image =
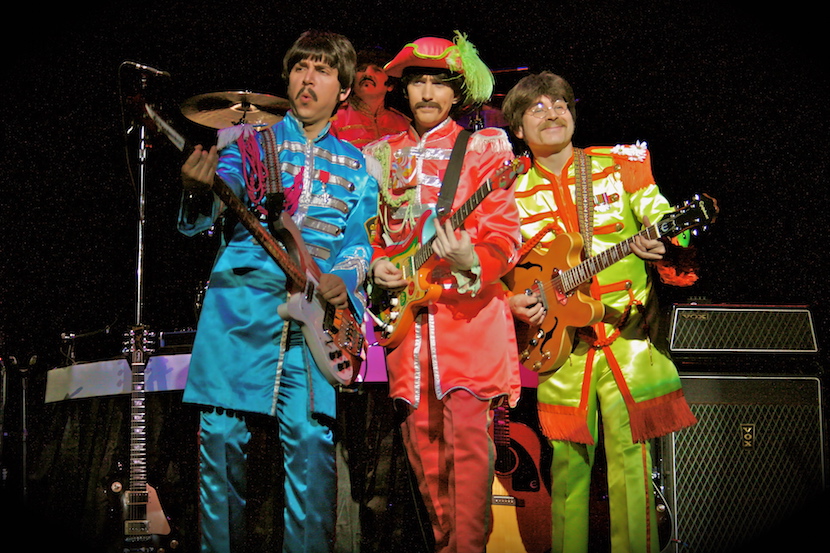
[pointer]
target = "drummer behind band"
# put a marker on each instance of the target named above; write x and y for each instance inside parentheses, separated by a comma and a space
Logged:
(365, 117)
(248, 365)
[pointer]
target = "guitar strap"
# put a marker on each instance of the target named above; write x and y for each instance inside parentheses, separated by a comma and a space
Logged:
(585, 197)
(274, 194)
(448, 187)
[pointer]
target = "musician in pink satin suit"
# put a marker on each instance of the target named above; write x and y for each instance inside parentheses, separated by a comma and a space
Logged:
(458, 357)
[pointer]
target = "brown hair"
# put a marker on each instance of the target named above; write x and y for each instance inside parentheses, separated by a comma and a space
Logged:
(331, 48)
(528, 90)
(450, 78)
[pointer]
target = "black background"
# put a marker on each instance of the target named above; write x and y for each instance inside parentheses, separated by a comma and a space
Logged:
(732, 98)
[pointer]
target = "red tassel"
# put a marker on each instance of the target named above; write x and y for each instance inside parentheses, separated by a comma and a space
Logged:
(660, 416)
(670, 275)
(564, 423)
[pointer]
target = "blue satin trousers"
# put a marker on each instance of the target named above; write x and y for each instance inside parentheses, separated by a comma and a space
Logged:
(310, 472)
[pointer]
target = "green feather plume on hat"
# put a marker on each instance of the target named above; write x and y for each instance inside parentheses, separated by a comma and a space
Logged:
(478, 80)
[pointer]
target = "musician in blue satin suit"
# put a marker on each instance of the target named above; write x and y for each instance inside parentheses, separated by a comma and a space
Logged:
(247, 361)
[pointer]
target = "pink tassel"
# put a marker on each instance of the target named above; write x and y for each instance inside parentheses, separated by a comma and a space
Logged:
(256, 178)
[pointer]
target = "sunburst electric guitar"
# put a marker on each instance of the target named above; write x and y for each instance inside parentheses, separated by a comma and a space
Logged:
(334, 335)
(394, 311)
(146, 528)
(557, 276)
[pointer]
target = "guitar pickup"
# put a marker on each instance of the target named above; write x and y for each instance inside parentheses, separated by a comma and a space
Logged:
(137, 498)
(308, 293)
(136, 527)
(508, 500)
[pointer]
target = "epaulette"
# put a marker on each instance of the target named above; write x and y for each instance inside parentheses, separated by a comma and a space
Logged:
(492, 138)
(633, 162)
(230, 135)
(631, 152)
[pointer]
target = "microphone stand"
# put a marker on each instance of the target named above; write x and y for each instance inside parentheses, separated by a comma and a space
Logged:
(24, 430)
(143, 147)
(3, 395)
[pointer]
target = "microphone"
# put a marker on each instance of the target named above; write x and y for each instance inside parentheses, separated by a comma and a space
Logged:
(147, 69)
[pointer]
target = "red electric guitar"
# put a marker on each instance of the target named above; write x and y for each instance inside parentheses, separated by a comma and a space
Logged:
(394, 312)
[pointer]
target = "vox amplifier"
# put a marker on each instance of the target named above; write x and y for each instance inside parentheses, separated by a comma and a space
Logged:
(741, 329)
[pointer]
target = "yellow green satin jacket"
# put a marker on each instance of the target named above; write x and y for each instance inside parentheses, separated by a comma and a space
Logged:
(624, 193)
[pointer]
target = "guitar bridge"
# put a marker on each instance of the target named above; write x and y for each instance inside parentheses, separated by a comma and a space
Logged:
(539, 287)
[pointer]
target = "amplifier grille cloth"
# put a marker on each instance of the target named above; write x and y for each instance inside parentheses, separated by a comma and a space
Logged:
(725, 493)
(702, 329)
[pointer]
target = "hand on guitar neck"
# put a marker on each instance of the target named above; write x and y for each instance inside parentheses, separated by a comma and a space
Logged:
(199, 169)
(454, 246)
(645, 248)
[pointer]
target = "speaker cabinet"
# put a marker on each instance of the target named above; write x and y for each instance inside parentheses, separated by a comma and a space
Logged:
(753, 462)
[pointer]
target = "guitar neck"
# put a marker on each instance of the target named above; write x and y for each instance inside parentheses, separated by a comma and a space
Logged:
(248, 219)
(265, 238)
(501, 427)
(586, 270)
(138, 439)
(456, 220)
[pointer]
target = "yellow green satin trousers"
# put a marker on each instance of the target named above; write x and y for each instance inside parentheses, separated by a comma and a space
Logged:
(631, 500)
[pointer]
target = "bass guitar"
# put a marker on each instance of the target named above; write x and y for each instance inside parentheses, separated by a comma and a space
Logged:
(394, 311)
(334, 336)
(557, 276)
(146, 528)
(521, 502)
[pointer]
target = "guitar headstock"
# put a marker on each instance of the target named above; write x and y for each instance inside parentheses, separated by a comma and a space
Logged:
(158, 124)
(504, 176)
(696, 215)
(139, 343)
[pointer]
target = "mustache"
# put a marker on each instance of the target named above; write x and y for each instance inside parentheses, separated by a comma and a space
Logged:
(309, 91)
(427, 105)
(368, 78)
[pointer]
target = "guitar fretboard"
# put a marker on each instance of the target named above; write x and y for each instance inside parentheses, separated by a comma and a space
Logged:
(570, 280)
(457, 218)
(501, 427)
(137, 498)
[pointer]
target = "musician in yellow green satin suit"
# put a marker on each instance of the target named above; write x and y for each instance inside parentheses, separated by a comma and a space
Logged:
(615, 373)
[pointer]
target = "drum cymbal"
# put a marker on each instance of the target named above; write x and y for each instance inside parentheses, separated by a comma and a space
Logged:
(226, 109)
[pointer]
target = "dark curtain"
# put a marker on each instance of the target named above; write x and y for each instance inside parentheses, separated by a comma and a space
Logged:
(74, 449)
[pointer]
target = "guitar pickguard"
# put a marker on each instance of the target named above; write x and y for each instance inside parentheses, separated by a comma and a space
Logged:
(336, 348)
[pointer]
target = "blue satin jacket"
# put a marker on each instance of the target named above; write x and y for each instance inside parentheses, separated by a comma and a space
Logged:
(238, 341)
